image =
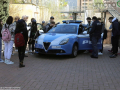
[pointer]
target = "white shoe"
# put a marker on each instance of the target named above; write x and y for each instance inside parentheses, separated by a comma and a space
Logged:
(6, 61)
(99, 53)
(30, 51)
(26, 51)
(16, 50)
(1, 61)
(10, 62)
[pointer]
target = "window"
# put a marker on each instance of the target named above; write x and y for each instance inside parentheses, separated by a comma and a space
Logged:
(64, 29)
(84, 7)
(84, 3)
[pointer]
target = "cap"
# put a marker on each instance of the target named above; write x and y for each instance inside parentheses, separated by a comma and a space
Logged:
(43, 21)
(51, 17)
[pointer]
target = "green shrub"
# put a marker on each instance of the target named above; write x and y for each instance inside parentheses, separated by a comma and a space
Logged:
(4, 8)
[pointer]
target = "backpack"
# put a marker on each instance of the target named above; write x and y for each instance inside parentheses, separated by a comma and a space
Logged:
(19, 40)
(6, 36)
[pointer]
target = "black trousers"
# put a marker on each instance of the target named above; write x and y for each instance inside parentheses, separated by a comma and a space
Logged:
(33, 45)
(102, 47)
(21, 52)
(112, 43)
(115, 44)
(94, 45)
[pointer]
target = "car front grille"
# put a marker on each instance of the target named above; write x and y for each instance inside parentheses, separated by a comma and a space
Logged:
(56, 51)
(46, 45)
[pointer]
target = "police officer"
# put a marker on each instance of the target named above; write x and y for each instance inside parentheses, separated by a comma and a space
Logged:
(48, 25)
(95, 35)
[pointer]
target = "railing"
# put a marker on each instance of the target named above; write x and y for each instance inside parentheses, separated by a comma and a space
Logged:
(111, 6)
(114, 12)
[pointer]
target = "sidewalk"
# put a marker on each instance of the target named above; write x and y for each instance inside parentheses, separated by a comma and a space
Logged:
(46, 72)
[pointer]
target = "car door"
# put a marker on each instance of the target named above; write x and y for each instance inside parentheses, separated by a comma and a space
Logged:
(85, 43)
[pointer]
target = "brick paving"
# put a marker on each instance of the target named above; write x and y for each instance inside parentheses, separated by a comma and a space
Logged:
(48, 72)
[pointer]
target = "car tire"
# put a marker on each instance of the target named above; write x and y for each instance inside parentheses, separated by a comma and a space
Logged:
(74, 51)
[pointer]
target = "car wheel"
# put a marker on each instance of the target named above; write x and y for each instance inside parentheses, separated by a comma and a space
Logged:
(74, 50)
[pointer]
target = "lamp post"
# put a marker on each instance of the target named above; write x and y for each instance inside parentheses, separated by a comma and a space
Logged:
(84, 11)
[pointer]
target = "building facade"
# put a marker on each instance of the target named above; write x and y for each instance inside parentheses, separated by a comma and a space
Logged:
(30, 8)
(84, 4)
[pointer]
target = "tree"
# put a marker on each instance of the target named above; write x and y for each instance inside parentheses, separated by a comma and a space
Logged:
(63, 3)
(4, 9)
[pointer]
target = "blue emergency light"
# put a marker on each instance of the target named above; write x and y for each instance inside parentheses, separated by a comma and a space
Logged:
(72, 21)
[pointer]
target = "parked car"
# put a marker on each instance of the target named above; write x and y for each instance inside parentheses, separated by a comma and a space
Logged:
(64, 39)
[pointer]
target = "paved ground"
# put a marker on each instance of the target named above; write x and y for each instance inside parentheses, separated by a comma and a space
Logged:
(48, 72)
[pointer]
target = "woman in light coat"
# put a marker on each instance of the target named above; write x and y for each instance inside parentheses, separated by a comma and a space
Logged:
(9, 45)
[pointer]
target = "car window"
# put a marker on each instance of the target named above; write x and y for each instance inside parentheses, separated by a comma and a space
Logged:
(64, 29)
(39, 26)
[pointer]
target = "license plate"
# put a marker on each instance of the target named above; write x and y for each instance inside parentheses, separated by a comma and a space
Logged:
(56, 47)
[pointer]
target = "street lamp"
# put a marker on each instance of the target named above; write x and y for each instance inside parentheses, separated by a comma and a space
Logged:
(84, 11)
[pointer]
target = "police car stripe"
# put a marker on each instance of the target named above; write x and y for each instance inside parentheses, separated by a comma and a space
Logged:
(41, 39)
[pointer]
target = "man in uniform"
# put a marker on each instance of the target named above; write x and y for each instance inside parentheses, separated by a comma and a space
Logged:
(48, 25)
(95, 35)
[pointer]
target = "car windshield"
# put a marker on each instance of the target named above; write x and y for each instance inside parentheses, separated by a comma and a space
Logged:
(64, 29)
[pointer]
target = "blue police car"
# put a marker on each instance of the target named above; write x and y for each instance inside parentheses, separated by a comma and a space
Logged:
(64, 39)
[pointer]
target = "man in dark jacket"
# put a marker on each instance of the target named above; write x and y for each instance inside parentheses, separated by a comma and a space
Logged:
(104, 31)
(52, 24)
(95, 35)
(115, 37)
(43, 26)
(24, 19)
(48, 25)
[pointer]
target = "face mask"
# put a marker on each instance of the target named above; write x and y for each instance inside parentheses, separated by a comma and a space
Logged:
(89, 21)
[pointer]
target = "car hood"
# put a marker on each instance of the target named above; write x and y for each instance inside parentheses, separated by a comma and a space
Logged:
(53, 38)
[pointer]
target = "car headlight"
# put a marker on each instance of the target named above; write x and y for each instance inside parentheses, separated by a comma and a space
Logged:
(65, 41)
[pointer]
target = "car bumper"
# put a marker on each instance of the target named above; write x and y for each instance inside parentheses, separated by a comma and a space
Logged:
(56, 50)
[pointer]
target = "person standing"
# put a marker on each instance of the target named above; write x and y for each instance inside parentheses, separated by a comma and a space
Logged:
(1, 24)
(32, 34)
(88, 26)
(21, 50)
(104, 31)
(52, 24)
(111, 37)
(24, 19)
(16, 19)
(43, 26)
(48, 25)
(29, 42)
(95, 35)
(115, 37)
(8, 43)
